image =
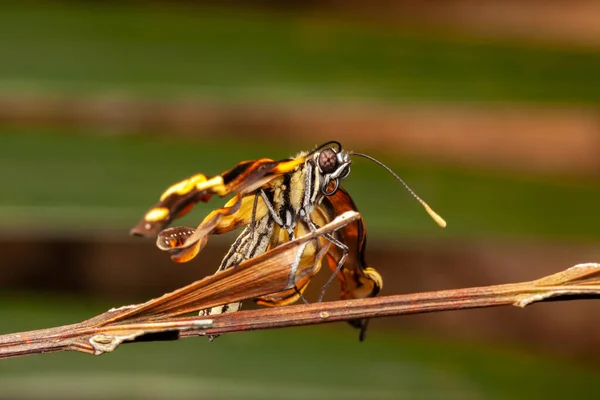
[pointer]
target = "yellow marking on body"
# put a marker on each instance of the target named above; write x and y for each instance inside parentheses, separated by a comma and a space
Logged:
(278, 188)
(244, 215)
(157, 214)
(289, 166)
(297, 188)
(185, 186)
(216, 183)
(187, 254)
(232, 201)
(374, 276)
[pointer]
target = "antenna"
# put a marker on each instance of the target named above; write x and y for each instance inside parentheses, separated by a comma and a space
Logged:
(439, 220)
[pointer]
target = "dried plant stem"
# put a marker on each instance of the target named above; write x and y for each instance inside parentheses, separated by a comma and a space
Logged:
(95, 336)
(385, 306)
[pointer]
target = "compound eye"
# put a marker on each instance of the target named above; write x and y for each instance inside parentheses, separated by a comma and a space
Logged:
(328, 161)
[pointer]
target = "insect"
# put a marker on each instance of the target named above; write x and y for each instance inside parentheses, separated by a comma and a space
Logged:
(276, 201)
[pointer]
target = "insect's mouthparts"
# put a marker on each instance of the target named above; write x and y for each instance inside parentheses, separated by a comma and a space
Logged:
(435, 216)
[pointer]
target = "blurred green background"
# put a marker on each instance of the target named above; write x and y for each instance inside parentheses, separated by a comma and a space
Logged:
(103, 105)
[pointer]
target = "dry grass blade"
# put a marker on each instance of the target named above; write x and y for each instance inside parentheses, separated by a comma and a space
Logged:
(267, 273)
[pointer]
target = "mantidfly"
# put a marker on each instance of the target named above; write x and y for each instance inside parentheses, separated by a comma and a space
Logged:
(277, 201)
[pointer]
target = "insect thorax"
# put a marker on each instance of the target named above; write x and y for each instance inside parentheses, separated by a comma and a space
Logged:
(294, 195)
(291, 199)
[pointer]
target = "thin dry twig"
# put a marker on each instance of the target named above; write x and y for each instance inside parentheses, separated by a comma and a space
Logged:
(162, 318)
(94, 336)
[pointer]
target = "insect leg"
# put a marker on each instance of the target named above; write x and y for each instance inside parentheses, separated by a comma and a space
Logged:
(300, 295)
(344, 249)
(340, 264)
(276, 216)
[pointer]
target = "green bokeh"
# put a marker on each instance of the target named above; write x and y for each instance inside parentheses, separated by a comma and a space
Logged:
(229, 54)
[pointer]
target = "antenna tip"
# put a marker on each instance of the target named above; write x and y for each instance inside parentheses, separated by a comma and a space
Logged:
(439, 220)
